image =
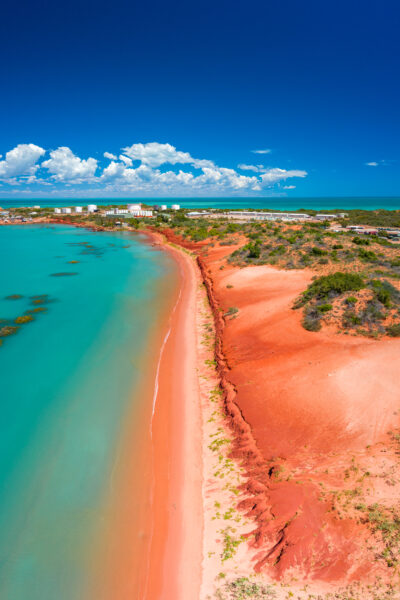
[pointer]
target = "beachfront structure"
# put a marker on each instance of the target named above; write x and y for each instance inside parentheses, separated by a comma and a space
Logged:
(92, 208)
(163, 207)
(175, 206)
(266, 216)
(322, 217)
(78, 209)
(134, 207)
(66, 211)
(118, 212)
(57, 211)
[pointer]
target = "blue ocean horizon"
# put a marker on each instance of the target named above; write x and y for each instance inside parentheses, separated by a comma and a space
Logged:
(274, 203)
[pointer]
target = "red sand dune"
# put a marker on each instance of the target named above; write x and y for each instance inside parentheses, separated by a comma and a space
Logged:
(305, 407)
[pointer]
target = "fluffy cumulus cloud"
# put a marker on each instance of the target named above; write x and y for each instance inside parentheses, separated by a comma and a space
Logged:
(254, 168)
(149, 169)
(64, 166)
(110, 156)
(21, 161)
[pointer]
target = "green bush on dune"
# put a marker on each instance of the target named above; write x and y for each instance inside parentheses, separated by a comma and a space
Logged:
(330, 286)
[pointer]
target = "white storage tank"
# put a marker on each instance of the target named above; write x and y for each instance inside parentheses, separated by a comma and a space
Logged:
(66, 211)
(78, 209)
(92, 208)
(134, 207)
(57, 211)
(175, 206)
(163, 207)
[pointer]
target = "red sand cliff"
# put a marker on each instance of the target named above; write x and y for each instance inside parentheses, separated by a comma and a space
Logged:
(310, 413)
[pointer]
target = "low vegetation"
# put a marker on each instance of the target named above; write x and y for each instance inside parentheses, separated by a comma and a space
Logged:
(372, 309)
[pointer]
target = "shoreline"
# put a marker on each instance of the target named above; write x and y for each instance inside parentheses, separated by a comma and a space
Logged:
(176, 446)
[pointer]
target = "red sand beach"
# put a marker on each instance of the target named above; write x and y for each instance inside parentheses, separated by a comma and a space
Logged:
(153, 547)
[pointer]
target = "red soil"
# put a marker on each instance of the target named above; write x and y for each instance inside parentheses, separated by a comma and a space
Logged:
(302, 405)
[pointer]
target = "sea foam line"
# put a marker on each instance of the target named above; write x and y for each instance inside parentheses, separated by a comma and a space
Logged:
(156, 383)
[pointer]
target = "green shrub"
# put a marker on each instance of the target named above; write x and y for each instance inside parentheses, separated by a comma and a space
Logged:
(318, 251)
(367, 255)
(385, 292)
(323, 308)
(311, 319)
(278, 251)
(337, 246)
(350, 319)
(231, 311)
(333, 284)
(351, 300)
(393, 330)
(254, 249)
(360, 241)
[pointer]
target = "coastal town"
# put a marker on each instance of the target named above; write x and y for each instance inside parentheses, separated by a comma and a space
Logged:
(122, 215)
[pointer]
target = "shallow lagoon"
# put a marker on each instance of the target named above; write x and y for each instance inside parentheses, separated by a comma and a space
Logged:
(67, 382)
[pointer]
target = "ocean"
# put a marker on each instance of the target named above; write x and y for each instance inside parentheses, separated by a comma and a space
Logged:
(278, 203)
(69, 380)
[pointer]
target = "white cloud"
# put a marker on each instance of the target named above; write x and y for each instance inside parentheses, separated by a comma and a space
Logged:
(65, 166)
(289, 187)
(380, 163)
(113, 170)
(126, 160)
(21, 161)
(265, 151)
(160, 169)
(154, 154)
(272, 176)
(255, 168)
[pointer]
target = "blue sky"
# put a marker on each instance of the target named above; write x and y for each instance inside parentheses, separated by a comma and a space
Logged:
(179, 95)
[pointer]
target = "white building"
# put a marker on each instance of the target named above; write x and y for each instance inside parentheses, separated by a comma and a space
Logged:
(134, 207)
(78, 209)
(92, 208)
(117, 212)
(267, 216)
(66, 211)
(163, 207)
(57, 211)
(175, 206)
(328, 217)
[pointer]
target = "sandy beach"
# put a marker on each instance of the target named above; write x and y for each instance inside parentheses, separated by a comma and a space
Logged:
(174, 569)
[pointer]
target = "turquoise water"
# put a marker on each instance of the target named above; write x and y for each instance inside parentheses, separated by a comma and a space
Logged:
(67, 382)
(346, 203)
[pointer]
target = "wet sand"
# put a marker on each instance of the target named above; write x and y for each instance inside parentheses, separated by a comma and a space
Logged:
(151, 543)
